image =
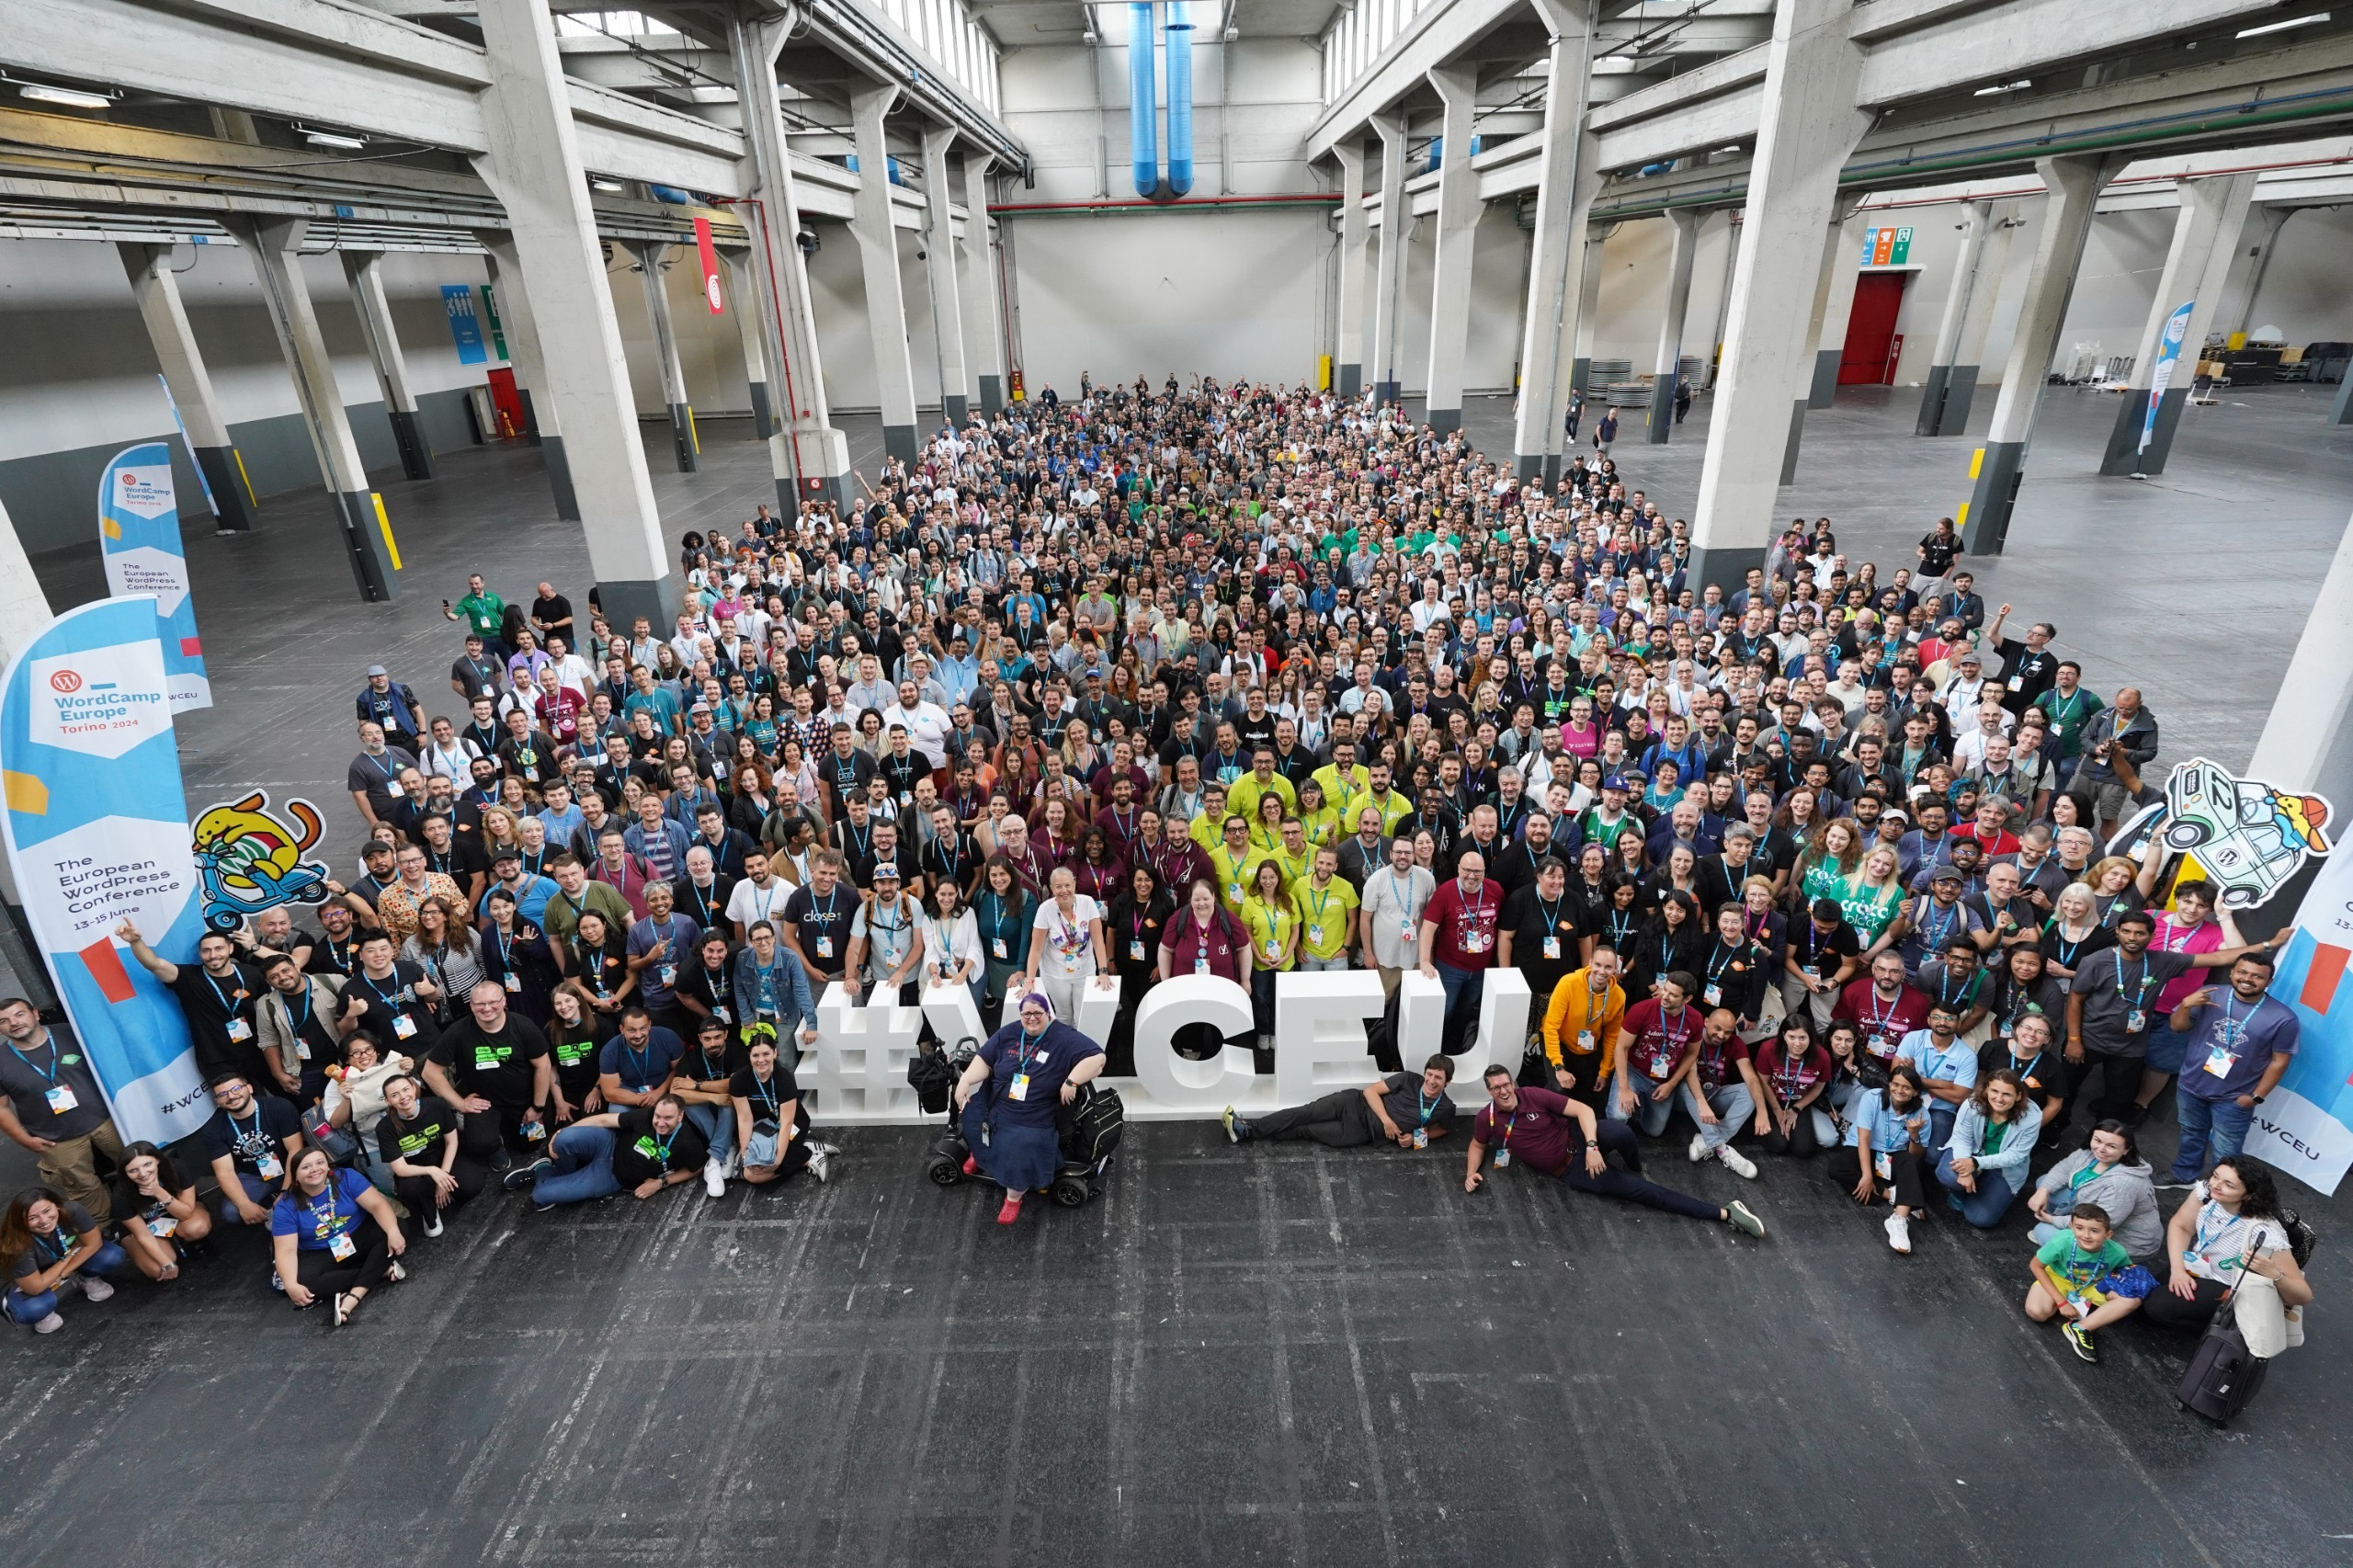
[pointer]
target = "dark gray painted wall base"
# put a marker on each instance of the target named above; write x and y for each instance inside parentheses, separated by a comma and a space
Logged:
(52, 496)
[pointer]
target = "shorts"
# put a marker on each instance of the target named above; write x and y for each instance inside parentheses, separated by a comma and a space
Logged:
(2110, 801)
(2165, 1052)
(2136, 1282)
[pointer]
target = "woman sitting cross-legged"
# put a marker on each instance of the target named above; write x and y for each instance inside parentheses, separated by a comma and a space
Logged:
(335, 1234)
(771, 1119)
(158, 1211)
(1982, 1167)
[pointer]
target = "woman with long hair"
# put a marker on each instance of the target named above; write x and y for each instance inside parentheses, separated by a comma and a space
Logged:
(1271, 917)
(1135, 923)
(575, 1036)
(1876, 896)
(443, 944)
(2230, 1226)
(157, 1211)
(1885, 1147)
(1003, 910)
(1827, 860)
(334, 1235)
(1099, 870)
(1984, 1163)
(1796, 1073)
(2072, 933)
(1671, 939)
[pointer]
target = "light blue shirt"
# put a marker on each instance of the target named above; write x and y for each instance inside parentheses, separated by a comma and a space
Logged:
(1956, 1063)
(1870, 1112)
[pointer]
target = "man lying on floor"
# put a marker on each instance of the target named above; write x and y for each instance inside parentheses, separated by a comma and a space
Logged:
(1404, 1108)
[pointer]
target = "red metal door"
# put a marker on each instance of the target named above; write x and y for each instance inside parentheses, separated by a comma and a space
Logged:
(1870, 328)
(508, 402)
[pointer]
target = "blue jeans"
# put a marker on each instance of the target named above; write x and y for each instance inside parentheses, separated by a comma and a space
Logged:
(264, 1193)
(1940, 1121)
(30, 1310)
(1464, 988)
(1733, 1104)
(1649, 1115)
(717, 1125)
(2215, 1127)
(583, 1169)
(1985, 1206)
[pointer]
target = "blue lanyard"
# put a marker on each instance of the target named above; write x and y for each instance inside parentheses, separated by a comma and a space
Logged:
(55, 1057)
(332, 1218)
(2142, 985)
(1021, 1052)
(226, 1005)
(305, 1021)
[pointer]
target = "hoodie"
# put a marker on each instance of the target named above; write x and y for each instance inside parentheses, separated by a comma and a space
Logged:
(2126, 1192)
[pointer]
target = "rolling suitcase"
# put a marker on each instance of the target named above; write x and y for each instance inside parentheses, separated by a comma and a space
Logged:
(2224, 1376)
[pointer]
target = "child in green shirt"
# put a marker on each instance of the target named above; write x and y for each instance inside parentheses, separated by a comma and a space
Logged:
(2084, 1278)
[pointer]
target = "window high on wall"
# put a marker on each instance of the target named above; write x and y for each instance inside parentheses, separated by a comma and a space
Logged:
(945, 31)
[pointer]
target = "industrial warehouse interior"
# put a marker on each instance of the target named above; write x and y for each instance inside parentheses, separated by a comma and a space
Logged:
(948, 781)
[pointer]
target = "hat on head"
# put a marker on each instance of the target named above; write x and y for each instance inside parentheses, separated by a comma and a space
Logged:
(1947, 874)
(1615, 781)
(886, 869)
(375, 670)
(1891, 814)
(504, 852)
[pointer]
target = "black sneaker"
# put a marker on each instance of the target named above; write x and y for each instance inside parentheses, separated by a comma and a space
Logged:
(2082, 1341)
(501, 1162)
(524, 1175)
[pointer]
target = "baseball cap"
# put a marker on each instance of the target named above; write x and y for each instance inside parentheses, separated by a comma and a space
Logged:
(1615, 781)
(505, 852)
(1947, 874)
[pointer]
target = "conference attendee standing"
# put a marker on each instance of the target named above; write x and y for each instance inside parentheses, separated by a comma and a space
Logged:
(1390, 924)
(51, 1105)
(1458, 934)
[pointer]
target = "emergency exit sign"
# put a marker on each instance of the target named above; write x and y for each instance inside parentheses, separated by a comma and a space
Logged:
(1887, 247)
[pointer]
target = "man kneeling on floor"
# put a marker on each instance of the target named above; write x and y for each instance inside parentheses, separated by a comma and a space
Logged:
(642, 1150)
(1404, 1108)
(1561, 1137)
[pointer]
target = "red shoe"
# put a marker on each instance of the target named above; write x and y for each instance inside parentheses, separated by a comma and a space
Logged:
(1012, 1209)
(972, 1165)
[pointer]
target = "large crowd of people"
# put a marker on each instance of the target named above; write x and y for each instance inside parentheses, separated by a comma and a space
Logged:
(1226, 680)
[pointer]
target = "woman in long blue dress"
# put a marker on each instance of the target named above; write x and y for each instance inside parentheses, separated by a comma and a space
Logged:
(1006, 1099)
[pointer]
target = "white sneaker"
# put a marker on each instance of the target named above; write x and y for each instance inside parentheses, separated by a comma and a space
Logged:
(96, 1290)
(1699, 1150)
(48, 1325)
(818, 1163)
(433, 1222)
(714, 1178)
(1899, 1233)
(1742, 1165)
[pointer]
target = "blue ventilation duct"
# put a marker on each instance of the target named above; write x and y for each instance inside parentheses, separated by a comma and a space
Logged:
(1143, 130)
(1180, 98)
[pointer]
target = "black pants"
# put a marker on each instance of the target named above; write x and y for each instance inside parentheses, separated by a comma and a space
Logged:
(1620, 1146)
(1904, 1168)
(416, 1192)
(483, 1135)
(2161, 1306)
(1339, 1120)
(1799, 1142)
(323, 1273)
(2120, 1084)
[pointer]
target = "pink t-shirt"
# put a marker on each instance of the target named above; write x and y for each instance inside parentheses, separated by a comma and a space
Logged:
(2174, 936)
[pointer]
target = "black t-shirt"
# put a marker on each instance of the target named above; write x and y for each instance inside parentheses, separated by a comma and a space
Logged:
(461, 862)
(554, 611)
(1533, 923)
(1810, 949)
(698, 1067)
(331, 957)
(768, 1099)
(221, 1018)
(417, 1139)
(1937, 554)
(822, 925)
(261, 1130)
(576, 1065)
(640, 1154)
(498, 1067)
(844, 777)
(1403, 1100)
(395, 1014)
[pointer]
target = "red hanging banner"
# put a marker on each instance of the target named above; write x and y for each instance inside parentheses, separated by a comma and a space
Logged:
(710, 264)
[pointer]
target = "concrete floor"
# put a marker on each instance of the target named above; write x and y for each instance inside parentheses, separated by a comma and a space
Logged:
(1239, 1356)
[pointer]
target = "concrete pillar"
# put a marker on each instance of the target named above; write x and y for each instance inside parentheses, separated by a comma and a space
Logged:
(1578, 327)
(2341, 412)
(1389, 266)
(1565, 183)
(1807, 126)
(939, 270)
(1835, 308)
(649, 253)
(878, 254)
(1348, 359)
(977, 292)
(2267, 220)
(2205, 238)
(521, 328)
(2074, 186)
(2307, 742)
(1458, 230)
(364, 271)
(24, 608)
(1666, 372)
(809, 458)
(533, 168)
(157, 291)
(1976, 290)
(744, 304)
(275, 245)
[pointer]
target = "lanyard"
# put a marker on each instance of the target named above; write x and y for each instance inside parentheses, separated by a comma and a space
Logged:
(55, 1058)
(1403, 894)
(332, 1218)
(1944, 988)
(1021, 1052)
(2142, 985)
(242, 1135)
(305, 1021)
(765, 1088)
(227, 1007)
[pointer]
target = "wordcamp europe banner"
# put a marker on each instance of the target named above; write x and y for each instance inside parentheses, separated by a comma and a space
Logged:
(96, 833)
(139, 532)
(2305, 1125)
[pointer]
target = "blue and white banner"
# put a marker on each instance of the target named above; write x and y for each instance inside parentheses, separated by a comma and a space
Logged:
(2161, 374)
(2305, 1125)
(465, 327)
(139, 530)
(96, 833)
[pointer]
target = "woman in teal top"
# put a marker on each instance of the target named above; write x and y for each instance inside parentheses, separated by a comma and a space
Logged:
(1003, 909)
(1982, 1167)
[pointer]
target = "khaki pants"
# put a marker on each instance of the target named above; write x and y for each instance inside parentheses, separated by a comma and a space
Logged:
(1389, 979)
(71, 1166)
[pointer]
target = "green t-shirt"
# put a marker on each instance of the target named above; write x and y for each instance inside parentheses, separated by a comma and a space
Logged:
(486, 612)
(2078, 1268)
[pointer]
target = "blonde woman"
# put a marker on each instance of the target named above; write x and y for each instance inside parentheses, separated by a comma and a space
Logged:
(2074, 933)
(1271, 917)
(1875, 897)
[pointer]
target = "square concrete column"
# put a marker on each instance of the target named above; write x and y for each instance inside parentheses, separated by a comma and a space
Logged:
(158, 292)
(939, 270)
(276, 247)
(1566, 181)
(808, 457)
(2307, 742)
(533, 168)
(1808, 124)
(1951, 382)
(744, 304)
(2266, 222)
(1458, 230)
(521, 330)
(878, 255)
(364, 270)
(1835, 308)
(650, 255)
(1389, 266)
(977, 292)
(1347, 357)
(1580, 324)
(1669, 370)
(2206, 233)
(2074, 184)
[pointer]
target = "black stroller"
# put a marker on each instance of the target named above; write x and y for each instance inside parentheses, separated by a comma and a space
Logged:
(1090, 1126)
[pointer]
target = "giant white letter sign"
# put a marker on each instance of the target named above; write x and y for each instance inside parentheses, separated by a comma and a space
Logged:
(1171, 1086)
(861, 1054)
(1319, 1032)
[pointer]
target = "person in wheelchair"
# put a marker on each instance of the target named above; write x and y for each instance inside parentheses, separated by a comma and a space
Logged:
(1006, 1100)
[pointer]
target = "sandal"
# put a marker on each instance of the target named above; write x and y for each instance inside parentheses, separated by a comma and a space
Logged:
(345, 1305)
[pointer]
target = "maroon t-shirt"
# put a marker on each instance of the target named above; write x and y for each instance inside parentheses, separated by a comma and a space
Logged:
(1188, 943)
(1659, 1039)
(1537, 1134)
(1466, 926)
(1791, 1076)
(1720, 1063)
(1884, 1024)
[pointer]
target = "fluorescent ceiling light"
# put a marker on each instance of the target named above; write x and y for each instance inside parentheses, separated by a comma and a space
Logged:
(611, 185)
(2003, 87)
(1615, 62)
(2279, 27)
(72, 98)
(334, 139)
